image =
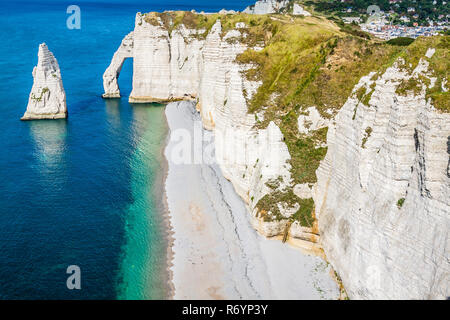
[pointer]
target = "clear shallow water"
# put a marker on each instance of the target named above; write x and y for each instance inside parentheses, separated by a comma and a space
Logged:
(84, 191)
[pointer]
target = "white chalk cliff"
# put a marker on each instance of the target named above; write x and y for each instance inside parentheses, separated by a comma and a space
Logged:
(380, 246)
(112, 73)
(266, 6)
(180, 65)
(299, 11)
(47, 98)
(276, 6)
(382, 196)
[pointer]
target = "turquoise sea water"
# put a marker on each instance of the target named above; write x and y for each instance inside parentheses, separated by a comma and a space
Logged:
(85, 191)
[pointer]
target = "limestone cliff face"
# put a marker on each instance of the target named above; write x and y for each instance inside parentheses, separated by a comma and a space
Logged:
(182, 64)
(276, 6)
(299, 11)
(47, 98)
(267, 6)
(112, 73)
(382, 197)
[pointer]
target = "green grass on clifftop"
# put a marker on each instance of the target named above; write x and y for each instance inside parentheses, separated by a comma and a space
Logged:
(309, 62)
(312, 61)
(257, 31)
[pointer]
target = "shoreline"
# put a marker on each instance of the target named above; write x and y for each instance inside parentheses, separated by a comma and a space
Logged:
(213, 251)
(170, 234)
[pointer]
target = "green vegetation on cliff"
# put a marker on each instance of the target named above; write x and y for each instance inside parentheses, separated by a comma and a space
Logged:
(309, 62)
(43, 92)
(258, 29)
(400, 203)
(270, 203)
(439, 68)
(312, 61)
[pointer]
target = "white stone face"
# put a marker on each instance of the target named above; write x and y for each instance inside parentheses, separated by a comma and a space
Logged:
(111, 74)
(266, 6)
(184, 65)
(47, 98)
(378, 249)
(299, 11)
(311, 121)
(383, 250)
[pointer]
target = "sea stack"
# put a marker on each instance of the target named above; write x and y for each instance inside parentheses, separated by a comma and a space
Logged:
(47, 98)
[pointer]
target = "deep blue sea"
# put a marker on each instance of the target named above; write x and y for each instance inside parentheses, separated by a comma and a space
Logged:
(88, 190)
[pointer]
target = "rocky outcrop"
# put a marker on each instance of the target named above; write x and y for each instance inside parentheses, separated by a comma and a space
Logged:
(382, 194)
(267, 6)
(47, 98)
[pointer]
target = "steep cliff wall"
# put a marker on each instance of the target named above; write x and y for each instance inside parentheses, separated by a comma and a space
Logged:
(383, 189)
(125, 51)
(267, 6)
(280, 94)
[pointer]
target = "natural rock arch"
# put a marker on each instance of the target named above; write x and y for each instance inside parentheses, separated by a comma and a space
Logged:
(111, 74)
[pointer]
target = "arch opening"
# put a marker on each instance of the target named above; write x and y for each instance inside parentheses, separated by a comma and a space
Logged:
(111, 75)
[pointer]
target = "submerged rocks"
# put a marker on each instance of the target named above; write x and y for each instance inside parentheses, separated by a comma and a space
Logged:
(47, 98)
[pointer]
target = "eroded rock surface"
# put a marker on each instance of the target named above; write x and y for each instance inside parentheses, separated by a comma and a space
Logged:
(382, 196)
(47, 98)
